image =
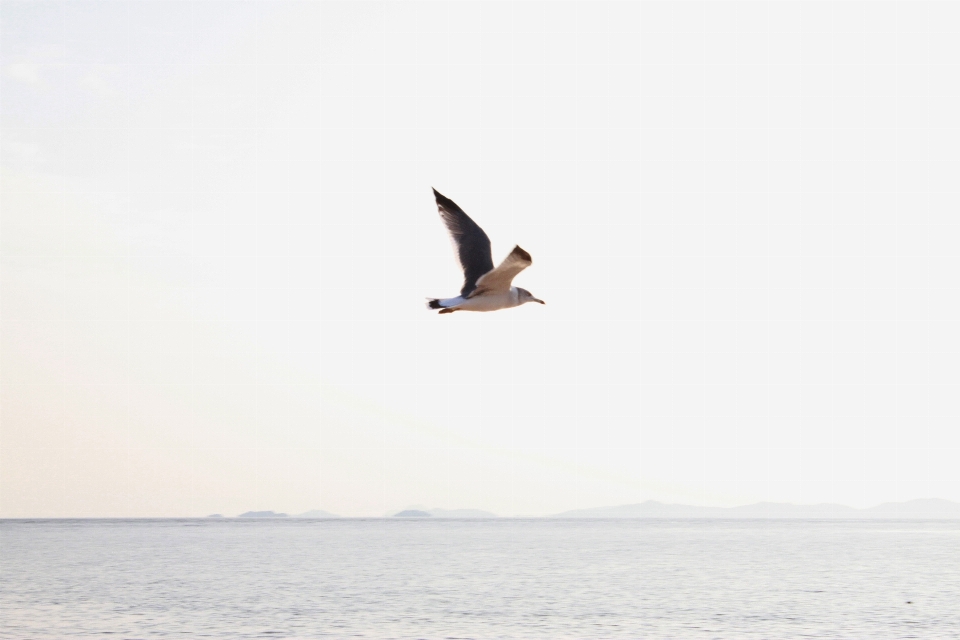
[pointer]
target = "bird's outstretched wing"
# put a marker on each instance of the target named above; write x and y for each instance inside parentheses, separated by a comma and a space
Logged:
(501, 278)
(472, 244)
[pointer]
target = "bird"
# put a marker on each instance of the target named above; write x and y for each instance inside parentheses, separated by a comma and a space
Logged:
(484, 288)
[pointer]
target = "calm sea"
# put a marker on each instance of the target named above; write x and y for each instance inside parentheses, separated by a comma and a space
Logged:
(383, 578)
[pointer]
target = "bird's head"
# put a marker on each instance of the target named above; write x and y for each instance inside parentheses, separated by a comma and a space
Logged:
(526, 296)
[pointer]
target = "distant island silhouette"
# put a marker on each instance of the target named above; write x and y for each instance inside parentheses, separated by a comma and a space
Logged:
(931, 508)
(456, 514)
(919, 509)
(314, 513)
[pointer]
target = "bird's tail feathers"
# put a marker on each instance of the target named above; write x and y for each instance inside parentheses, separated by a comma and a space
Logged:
(446, 305)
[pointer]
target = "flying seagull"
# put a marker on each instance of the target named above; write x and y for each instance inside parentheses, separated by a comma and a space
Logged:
(484, 288)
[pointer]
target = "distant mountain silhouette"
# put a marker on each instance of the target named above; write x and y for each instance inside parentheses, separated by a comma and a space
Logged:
(316, 514)
(262, 514)
(443, 513)
(933, 508)
(412, 513)
(215, 515)
(916, 509)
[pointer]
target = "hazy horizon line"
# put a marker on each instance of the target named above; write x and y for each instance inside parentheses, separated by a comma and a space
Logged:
(579, 513)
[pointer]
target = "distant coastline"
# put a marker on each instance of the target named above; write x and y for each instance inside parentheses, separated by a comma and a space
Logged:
(316, 514)
(921, 509)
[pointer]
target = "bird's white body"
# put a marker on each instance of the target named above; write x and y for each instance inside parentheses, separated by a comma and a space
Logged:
(492, 301)
(485, 287)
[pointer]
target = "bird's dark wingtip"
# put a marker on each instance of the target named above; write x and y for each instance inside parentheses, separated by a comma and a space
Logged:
(522, 254)
(444, 201)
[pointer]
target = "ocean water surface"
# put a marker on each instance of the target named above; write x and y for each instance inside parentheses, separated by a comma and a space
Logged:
(504, 578)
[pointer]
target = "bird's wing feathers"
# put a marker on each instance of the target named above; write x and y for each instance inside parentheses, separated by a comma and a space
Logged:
(501, 278)
(472, 244)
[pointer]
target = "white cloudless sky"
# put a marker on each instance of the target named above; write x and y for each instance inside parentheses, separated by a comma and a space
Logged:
(217, 234)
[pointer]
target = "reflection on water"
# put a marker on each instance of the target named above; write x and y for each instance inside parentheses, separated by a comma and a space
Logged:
(478, 579)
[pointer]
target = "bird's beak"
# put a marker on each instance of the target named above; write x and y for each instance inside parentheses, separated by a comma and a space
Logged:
(538, 300)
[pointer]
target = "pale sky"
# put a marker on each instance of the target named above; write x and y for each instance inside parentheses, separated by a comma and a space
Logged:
(217, 235)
